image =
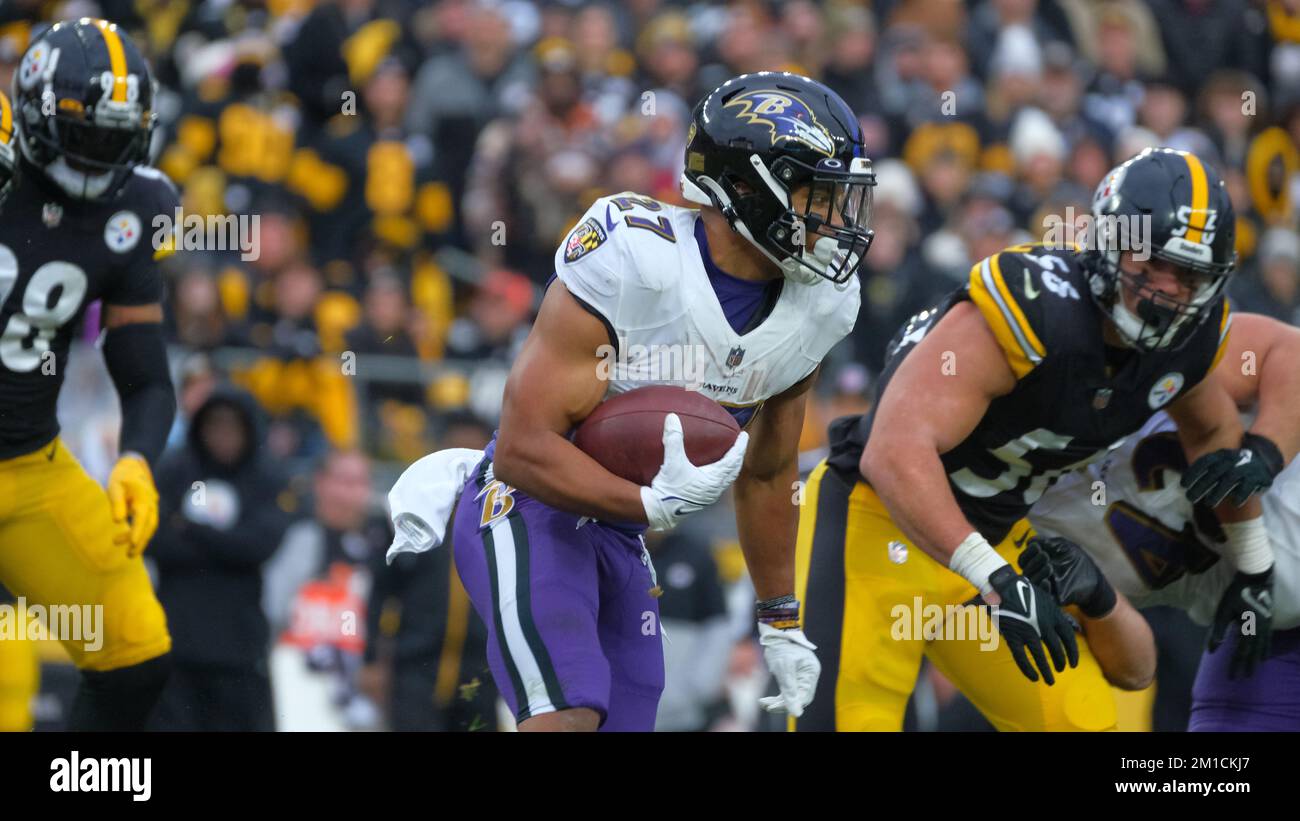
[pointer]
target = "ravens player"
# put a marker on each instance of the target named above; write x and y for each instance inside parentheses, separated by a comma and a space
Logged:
(74, 229)
(1040, 364)
(756, 284)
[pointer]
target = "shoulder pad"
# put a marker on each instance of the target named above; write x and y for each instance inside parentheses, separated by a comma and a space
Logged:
(1008, 295)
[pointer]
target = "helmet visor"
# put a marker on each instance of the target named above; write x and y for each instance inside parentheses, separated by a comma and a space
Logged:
(836, 204)
(95, 148)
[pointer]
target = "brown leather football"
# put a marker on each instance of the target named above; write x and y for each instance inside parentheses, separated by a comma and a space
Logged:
(625, 433)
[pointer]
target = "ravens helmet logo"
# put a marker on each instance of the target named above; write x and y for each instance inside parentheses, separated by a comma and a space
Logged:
(788, 117)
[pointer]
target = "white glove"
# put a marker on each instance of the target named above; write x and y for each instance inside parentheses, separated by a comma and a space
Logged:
(680, 488)
(790, 658)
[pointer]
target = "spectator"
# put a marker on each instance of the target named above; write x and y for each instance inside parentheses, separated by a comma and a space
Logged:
(430, 669)
(1272, 286)
(693, 611)
(222, 513)
(318, 583)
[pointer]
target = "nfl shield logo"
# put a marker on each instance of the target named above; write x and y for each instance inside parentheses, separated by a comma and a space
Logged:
(52, 214)
(1101, 398)
(734, 358)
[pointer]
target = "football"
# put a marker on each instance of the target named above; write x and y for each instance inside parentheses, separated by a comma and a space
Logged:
(625, 434)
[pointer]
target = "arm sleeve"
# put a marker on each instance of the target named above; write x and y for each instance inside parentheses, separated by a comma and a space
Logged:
(137, 363)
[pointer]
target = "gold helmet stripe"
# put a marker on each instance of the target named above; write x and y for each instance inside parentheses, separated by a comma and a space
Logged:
(6, 121)
(116, 58)
(1200, 199)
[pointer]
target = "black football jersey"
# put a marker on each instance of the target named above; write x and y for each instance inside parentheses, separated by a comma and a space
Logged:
(1075, 397)
(58, 255)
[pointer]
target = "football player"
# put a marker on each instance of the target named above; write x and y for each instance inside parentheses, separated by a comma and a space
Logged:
(1155, 547)
(76, 227)
(754, 285)
(19, 665)
(1040, 364)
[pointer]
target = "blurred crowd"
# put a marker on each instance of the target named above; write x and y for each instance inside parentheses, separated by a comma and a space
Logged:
(414, 164)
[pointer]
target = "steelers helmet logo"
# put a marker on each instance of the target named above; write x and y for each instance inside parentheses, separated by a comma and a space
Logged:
(34, 64)
(122, 233)
(1165, 388)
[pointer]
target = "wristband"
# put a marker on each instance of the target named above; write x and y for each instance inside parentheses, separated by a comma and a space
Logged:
(975, 560)
(1249, 546)
(1264, 448)
(781, 613)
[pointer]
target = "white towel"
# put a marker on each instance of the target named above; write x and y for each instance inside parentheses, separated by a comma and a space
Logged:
(421, 500)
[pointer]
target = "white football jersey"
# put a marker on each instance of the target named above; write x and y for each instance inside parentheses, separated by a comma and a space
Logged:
(636, 263)
(1143, 534)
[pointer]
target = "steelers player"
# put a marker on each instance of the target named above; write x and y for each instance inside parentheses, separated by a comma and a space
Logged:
(1040, 364)
(19, 665)
(77, 226)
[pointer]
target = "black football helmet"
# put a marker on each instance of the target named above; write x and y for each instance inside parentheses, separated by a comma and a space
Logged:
(84, 99)
(8, 158)
(1175, 207)
(756, 139)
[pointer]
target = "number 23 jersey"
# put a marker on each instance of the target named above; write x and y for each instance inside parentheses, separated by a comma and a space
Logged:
(57, 255)
(1072, 402)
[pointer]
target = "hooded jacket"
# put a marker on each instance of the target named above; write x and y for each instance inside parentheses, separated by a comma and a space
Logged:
(218, 523)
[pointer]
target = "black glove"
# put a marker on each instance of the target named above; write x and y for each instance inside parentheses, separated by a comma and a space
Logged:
(1253, 594)
(1063, 568)
(1240, 473)
(1029, 618)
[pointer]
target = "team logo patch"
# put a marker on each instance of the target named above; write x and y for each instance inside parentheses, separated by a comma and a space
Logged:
(1106, 197)
(122, 233)
(1165, 388)
(788, 117)
(34, 65)
(897, 552)
(587, 237)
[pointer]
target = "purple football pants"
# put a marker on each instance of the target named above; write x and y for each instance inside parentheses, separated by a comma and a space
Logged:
(1267, 701)
(571, 618)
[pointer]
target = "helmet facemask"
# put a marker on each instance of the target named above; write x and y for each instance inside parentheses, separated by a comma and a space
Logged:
(89, 159)
(780, 209)
(1159, 321)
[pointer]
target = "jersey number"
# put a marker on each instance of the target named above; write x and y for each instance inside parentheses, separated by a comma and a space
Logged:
(52, 297)
(660, 226)
(1012, 455)
(1159, 554)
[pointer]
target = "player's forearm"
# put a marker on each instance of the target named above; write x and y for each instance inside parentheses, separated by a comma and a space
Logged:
(552, 470)
(767, 521)
(910, 480)
(1123, 645)
(137, 363)
(1279, 397)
